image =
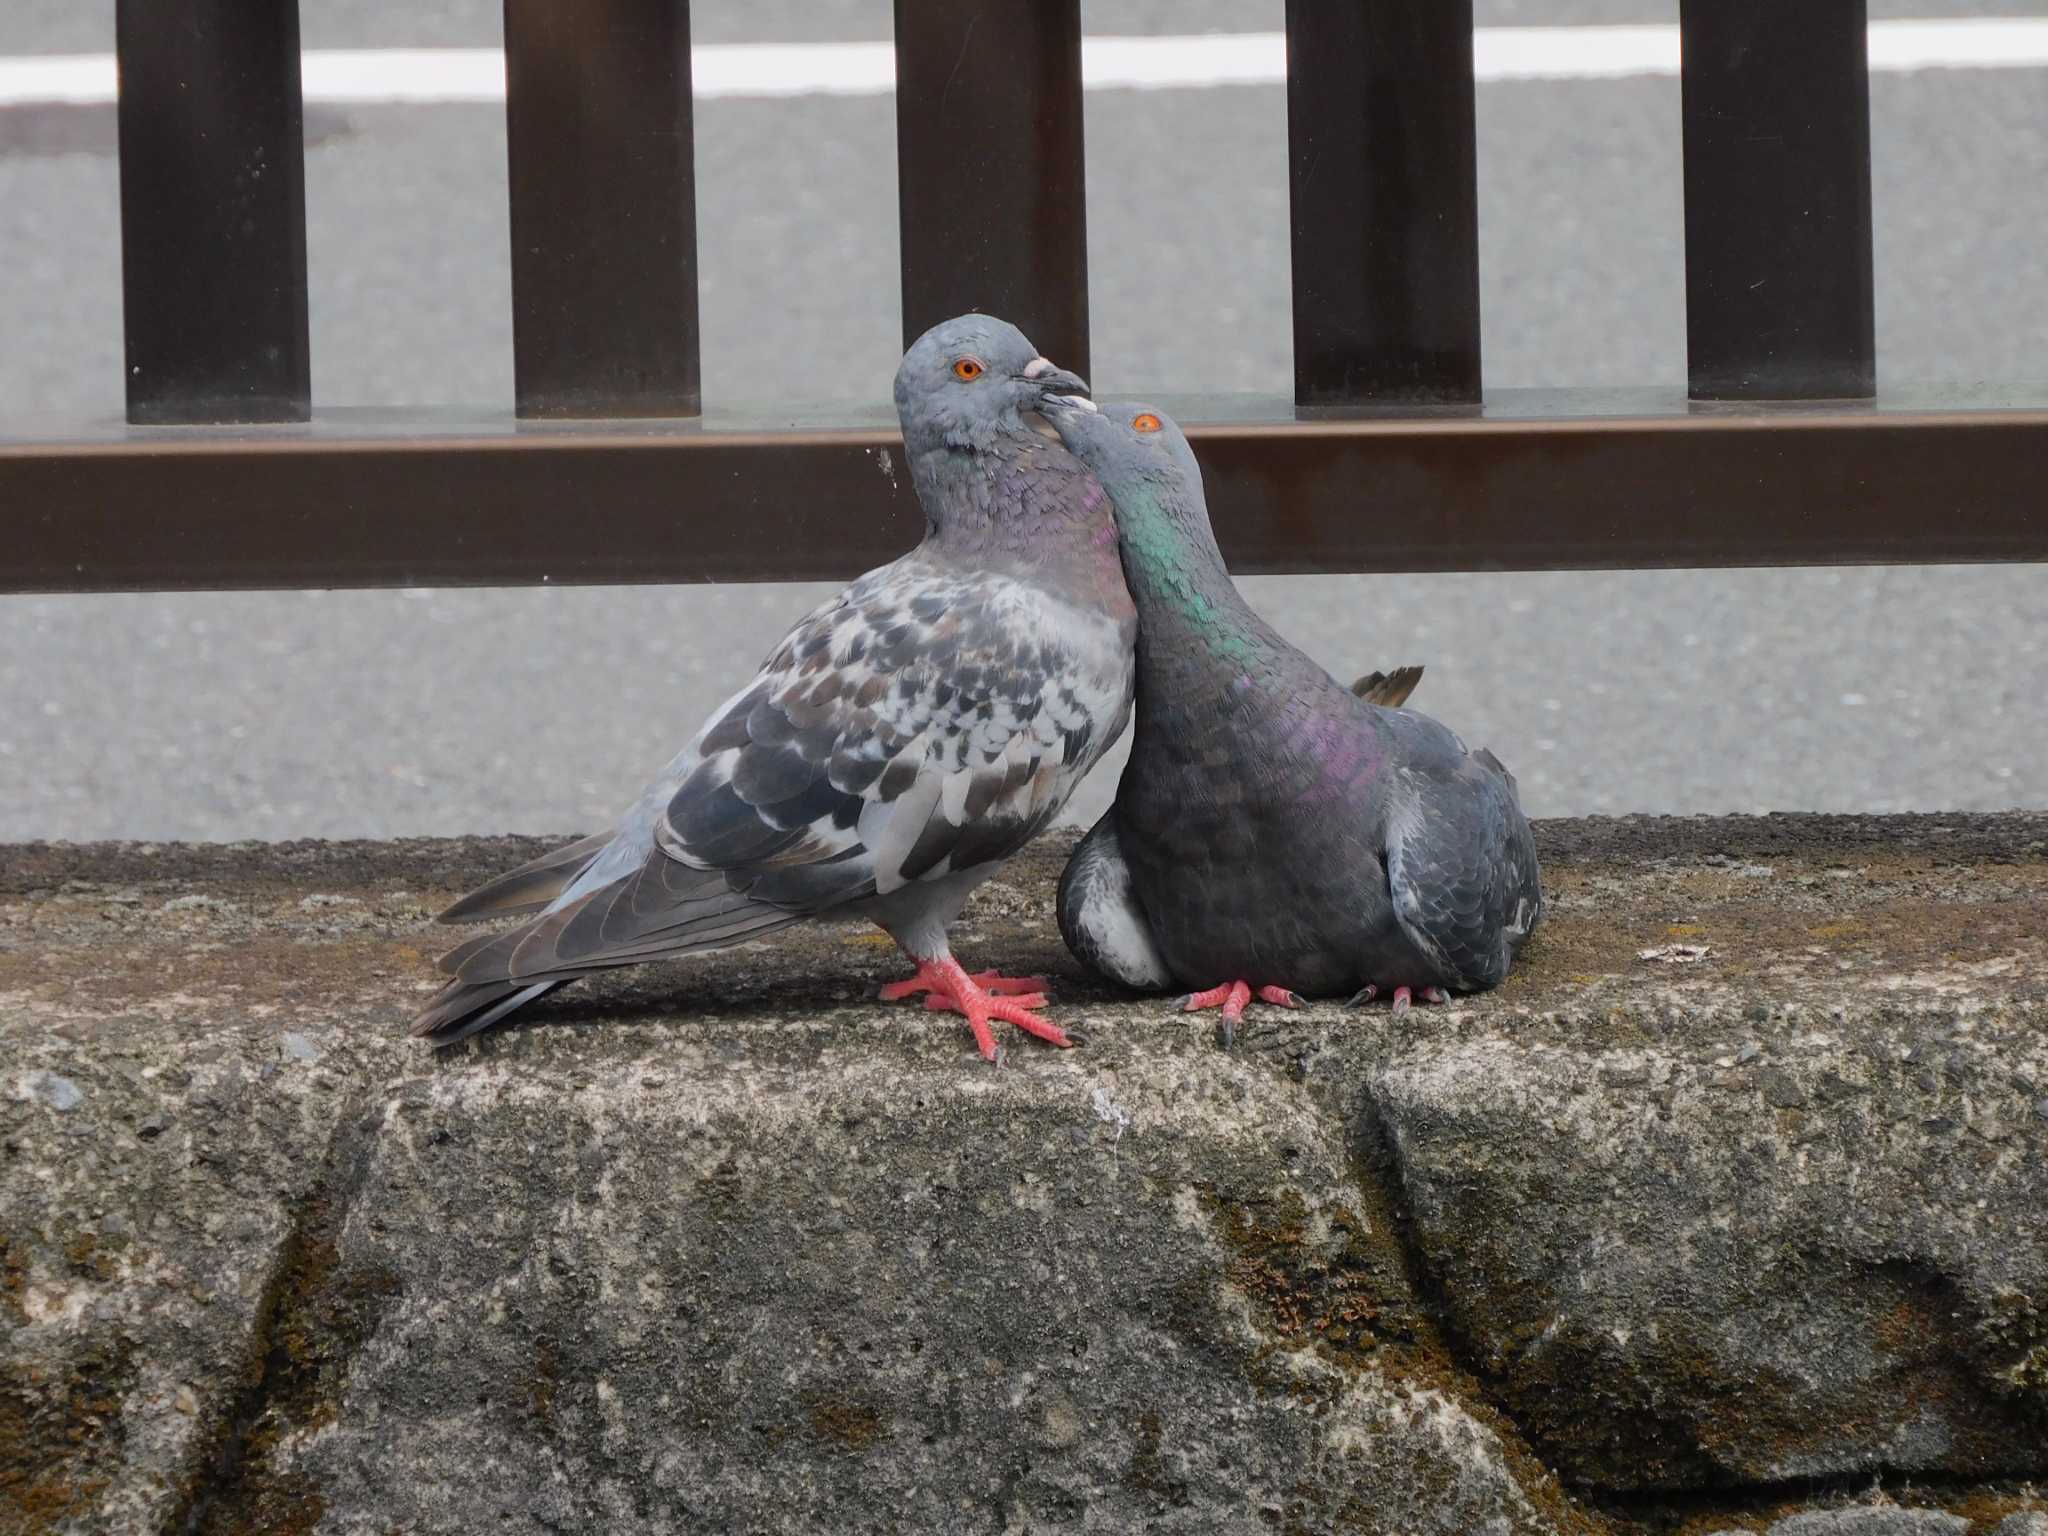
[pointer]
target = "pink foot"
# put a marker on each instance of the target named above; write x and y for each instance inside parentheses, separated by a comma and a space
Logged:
(1233, 997)
(988, 981)
(1404, 997)
(949, 989)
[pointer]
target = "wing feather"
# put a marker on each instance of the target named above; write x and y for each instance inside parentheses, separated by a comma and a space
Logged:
(1461, 870)
(928, 721)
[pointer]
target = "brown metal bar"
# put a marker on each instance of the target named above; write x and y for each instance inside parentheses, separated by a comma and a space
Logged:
(1549, 481)
(213, 211)
(1385, 200)
(1778, 289)
(604, 208)
(990, 180)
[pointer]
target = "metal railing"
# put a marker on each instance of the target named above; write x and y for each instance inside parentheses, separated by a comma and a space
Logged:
(1387, 458)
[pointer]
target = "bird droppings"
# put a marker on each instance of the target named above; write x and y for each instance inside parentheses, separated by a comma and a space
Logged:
(711, 1247)
(1111, 1113)
(1676, 954)
(197, 903)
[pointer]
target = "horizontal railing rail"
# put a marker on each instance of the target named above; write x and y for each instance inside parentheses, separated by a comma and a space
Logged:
(1534, 480)
(610, 467)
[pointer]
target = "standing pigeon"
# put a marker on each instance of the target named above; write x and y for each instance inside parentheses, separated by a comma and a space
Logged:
(1274, 833)
(901, 742)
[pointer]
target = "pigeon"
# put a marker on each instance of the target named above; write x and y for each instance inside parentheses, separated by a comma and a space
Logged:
(902, 741)
(1275, 835)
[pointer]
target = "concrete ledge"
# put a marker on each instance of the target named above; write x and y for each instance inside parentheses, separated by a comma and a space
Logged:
(1635, 1244)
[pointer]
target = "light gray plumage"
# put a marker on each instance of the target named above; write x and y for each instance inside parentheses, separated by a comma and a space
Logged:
(901, 742)
(1272, 826)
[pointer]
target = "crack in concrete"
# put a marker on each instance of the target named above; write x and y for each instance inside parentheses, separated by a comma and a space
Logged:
(1650, 1512)
(1376, 1172)
(1409, 1338)
(235, 1486)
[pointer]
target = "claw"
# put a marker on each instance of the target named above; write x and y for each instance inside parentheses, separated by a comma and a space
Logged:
(1404, 997)
(949, 989)
(1233, 997)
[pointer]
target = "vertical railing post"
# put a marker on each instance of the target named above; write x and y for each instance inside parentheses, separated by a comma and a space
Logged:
(990, 180)
(213, 211)
(604, 208)
(1384, 184)
(1778, 290)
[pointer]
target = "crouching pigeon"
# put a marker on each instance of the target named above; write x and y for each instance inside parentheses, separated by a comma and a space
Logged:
(901, 742)
(1275, 834)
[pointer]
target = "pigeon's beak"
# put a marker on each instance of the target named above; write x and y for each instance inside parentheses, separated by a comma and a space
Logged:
(1065, 405)
(1054, 380)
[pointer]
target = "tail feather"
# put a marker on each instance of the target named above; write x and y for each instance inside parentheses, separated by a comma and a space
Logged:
(1389, 690)
(530, 887)
(464, 1008)
(452, 962)
(460, 1010)
(495, 973)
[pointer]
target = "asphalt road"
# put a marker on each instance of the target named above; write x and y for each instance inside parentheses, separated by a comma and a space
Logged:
(297, 714)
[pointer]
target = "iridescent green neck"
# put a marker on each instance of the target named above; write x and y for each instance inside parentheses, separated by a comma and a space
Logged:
(1177, 577)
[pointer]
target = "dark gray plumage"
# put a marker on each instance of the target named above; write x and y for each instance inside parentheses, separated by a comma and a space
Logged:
(1274, 830)
(901, 742)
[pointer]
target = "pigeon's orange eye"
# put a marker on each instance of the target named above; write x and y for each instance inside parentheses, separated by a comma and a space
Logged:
(968, 368)
(1145, 421)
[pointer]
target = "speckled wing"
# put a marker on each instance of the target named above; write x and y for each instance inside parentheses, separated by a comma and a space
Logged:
(1461, 865)
(929, 721)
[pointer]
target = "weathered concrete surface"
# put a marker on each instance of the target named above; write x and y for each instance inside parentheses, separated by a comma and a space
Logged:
(1873, 1521)
(1632, 1245)
(1778, 1214)
(156, 1157)
(1896, 1519)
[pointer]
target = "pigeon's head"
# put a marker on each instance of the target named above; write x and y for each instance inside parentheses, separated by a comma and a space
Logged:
(1127, 444)
(969, 382)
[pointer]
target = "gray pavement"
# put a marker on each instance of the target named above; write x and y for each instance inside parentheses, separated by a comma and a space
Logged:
(65, 26)
(274, 715)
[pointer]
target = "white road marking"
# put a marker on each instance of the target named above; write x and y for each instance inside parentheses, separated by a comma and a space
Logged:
(430, 76)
